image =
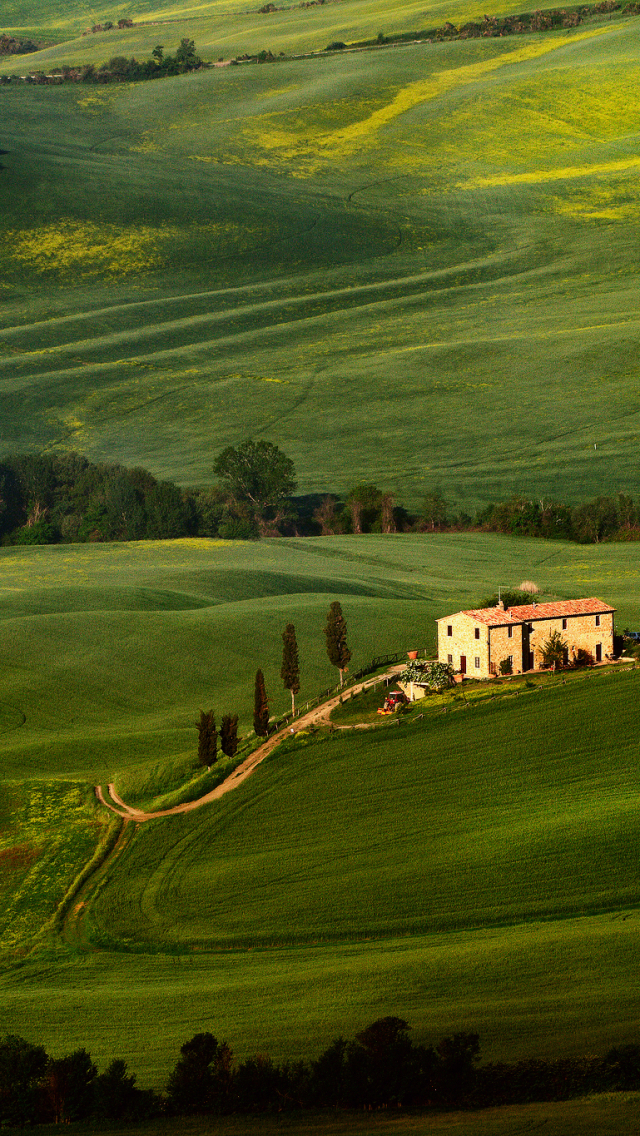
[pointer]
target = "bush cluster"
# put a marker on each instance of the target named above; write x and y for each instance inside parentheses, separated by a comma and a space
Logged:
(9, 45)
(119, 69)
(379, 1069)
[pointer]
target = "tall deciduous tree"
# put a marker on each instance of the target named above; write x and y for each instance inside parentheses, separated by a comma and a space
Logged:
(290, 671)
(257, 474)
(260, 707)
(207, 738)
(336, 637)
(229, 734)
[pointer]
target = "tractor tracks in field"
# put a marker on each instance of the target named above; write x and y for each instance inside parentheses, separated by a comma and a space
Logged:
(70, 916)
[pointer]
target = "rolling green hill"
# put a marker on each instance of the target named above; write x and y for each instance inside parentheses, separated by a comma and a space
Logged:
(469, 871)
(439, 234)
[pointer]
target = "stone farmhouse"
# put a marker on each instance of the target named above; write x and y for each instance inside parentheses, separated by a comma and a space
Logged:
(477, 641)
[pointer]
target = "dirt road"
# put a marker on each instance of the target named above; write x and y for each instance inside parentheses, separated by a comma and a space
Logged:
(245, 769)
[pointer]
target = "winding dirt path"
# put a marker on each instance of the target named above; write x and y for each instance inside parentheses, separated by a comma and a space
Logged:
(245, 769)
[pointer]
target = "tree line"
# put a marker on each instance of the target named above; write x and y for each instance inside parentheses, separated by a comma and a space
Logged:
(120, 69)
(380, 1067)
(48, 498)
(339, 655)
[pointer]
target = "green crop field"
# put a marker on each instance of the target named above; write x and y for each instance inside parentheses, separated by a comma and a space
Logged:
(470, 870)
(441, 235)
(414, 266)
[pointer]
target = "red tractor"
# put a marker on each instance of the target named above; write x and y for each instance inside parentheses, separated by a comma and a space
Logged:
(394, 699)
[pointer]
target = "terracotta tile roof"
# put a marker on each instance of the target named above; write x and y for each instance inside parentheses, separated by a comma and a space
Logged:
(591, 606)
(496, 617)
(493, 616)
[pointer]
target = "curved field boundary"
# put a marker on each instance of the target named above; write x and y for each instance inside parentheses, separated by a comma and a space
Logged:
(320, 713)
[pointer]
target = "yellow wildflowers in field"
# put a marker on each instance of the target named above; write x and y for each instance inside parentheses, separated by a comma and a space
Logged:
(86, 249)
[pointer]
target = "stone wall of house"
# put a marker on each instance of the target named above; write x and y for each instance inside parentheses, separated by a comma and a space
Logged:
(581, 631)
(463, 642)
(503, 645)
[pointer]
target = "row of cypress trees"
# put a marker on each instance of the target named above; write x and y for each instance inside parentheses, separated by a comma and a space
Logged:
(337, 650)
(339, 655)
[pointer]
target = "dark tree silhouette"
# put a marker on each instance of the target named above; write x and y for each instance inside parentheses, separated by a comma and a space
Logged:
(207, 738)
(260, 707)
(336, 636)
(229, 734)
(201, 1080)
(290, 671)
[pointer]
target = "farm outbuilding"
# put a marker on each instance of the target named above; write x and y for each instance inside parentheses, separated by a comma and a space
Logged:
(475, 642)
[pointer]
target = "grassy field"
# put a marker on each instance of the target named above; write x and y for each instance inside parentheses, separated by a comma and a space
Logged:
(600, 1116)
(474, 870)
(414, 266)
(442, 234)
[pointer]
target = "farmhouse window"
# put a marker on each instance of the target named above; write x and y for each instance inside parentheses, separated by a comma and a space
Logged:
(449, 629)
(597, 620)
(450, 658)
(477, 662)
(511, 661)
(510, 632)
(477, 632)
(564, 624)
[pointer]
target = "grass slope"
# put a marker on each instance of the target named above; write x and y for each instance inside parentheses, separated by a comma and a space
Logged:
(468, 871)
(442, 234)
(604, 1115)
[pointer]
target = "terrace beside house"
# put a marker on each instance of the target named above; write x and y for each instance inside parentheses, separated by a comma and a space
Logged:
(476, 642)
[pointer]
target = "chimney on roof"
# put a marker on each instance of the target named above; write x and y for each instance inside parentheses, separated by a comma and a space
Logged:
(500, 605)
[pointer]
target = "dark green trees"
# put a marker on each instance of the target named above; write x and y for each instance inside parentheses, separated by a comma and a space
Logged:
(259, 476)
(207, 738)
(260, 707)
(290, 670)
(229, 734)
(201, 1080)
(336, 637)
(22, 1067)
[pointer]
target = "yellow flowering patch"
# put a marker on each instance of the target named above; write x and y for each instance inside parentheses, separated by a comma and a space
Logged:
(85, 249)
(310, 149)
(563, 173)
(600, 202)
(94, 103)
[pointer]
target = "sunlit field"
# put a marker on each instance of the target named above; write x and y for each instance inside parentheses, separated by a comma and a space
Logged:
(472, 870)
(441, 234)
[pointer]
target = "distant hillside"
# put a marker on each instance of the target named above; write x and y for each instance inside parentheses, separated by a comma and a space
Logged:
(412, 266)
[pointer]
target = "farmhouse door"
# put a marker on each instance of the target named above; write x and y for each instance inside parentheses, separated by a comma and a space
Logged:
(463, 664)
(598, 652)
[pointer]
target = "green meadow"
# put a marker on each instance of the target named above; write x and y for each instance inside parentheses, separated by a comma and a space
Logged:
(469, 870)
(439, 235)
(414, 266)
(605, 1114)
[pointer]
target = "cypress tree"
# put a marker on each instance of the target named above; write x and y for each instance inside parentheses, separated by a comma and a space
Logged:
(260, 707)
(290, 671)
(336, 636)
(229, 734)
(207, 738)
